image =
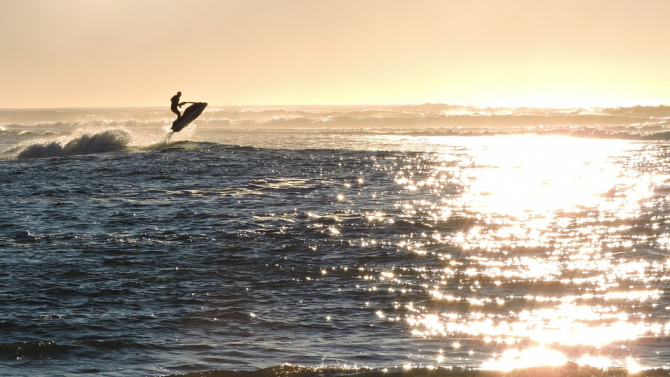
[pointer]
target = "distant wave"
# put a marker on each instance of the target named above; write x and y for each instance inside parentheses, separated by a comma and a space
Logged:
(494, 121)
(623, 133)
(17, 133)
(627, 125)
(105, 141)
(584, 126)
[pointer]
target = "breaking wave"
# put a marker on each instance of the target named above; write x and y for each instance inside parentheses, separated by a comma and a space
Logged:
(105, 141)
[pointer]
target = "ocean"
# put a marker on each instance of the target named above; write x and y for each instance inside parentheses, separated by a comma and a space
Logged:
(334, 240)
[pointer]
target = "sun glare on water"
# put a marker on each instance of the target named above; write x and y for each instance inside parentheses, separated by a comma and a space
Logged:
(537, 238)
(530, 174)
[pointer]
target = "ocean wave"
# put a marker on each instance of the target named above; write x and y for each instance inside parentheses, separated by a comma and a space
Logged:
(469, 121)
(17, 133)
(622, 133)
(105, 141)
(267, 113)
(414, 121)
(626, 132)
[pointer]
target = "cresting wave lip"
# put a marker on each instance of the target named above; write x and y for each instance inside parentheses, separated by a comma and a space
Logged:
(105, 141)
(570, 369)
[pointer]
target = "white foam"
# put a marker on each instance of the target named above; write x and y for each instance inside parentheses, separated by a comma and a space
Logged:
(104, 141)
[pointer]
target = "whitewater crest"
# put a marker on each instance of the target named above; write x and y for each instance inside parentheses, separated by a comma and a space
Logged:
(104, 141)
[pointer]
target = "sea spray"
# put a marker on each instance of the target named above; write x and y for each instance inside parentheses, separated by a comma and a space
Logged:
(105, 141)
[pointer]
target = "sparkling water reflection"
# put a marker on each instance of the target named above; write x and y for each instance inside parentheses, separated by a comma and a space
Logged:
(539, 241)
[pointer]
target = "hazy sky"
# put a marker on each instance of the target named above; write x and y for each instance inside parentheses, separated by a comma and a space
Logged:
(71, 53)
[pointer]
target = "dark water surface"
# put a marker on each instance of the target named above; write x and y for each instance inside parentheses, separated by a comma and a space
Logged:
(192, 257)
(125, 253)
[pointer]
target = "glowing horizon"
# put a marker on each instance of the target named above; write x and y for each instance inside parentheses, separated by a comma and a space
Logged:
(520, 53)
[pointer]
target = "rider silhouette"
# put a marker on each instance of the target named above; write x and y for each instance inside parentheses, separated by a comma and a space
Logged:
(175, 103)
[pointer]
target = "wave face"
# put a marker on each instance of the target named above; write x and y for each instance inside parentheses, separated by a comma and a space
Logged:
(106, 141)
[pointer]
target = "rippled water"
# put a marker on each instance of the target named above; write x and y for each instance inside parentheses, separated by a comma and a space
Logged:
(340, 249)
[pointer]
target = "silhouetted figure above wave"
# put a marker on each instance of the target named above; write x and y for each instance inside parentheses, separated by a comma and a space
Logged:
(174, 103)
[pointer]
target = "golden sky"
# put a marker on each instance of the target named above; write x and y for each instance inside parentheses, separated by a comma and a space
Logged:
(82, 53)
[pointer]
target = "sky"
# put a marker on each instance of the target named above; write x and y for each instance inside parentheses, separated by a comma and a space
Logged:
(137, 53)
